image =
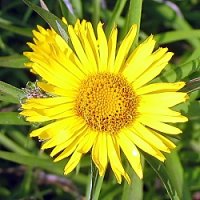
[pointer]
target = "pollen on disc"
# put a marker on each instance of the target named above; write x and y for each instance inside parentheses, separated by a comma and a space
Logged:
(106, 102)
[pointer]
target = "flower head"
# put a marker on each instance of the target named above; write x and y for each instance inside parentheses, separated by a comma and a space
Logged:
(99, 98)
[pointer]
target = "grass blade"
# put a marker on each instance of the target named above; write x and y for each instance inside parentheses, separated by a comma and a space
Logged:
(50, 18)
(12, 91)
(119, 6)
(12, 118)
(15, 61)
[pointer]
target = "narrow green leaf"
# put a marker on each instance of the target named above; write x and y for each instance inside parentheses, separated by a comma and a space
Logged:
(178, 22)
(15, 29)
(175, 173)
(174, 36)
(28, 12)
(11, 145)
(50, 18)
(12, 118)
(135, 189)
(96, 12)
(21, 139)
(7, 98)
(62, 32)
(161, 171)
(78, 8)
(42, 163)
(26, 184)
(119, 6)
(98, 187)
(12, 91)
(95, 183)
(16, 61)
(111, 191)
(67, 13)
(33, 161)
(133, 17)
(193, 55)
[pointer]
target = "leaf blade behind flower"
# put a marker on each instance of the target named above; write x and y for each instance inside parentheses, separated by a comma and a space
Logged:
(161, 171)
(50, 18)
(15, 61)
(12, 118)
(14, 93)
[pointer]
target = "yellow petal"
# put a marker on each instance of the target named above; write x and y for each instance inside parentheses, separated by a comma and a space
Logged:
(48, 88)
(87, 142)
(115, 160)
(99, 153)
(103, 49)
(38, 35)
(139, 60)
(58, 110)
(57, 139)
(61, 71)
(93, 42)
(64, 20)
(50, 101)
(60, 124)
(150, 137)
(165, 99)
(131, 152)
(152, 71)
(162, 127)
(153, 109)
(88, 47)
(41, 29)
(112, 44)
(73, 162)
(163, 118)
(53, 127)
(139, 142)
(124, 48)
(44, 109)
(79, 50)
(55, 78)
(70, 144)
(36, 117)
(167, 142)
(160, 87)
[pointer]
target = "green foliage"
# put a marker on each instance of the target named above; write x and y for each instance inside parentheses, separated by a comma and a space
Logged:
(28, 173)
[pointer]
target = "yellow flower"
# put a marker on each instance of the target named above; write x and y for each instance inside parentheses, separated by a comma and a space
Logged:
(100, 99)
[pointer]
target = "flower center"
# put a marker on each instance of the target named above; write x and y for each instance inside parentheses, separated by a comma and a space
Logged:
(107, 102)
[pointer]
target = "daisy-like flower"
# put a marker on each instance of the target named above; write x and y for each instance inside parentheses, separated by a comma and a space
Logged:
(100, 99)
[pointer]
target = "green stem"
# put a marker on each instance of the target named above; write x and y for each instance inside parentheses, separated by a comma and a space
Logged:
(115, 15)
(96, 13)
(133, 17)
(95, 184)
(93, 180)
(98, 188)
